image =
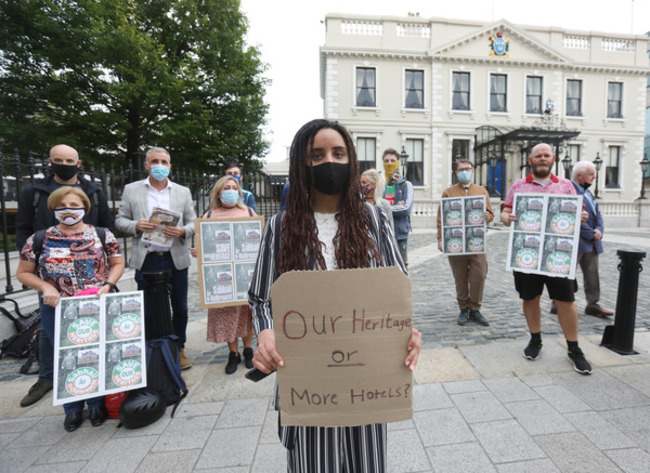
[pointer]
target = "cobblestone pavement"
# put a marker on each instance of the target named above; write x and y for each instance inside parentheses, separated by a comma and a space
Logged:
(477, 407)
(434, 300)
(434, 295)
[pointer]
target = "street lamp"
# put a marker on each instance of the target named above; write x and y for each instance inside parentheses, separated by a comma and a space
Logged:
(645, 164)
(566, 162)
(597, 164)
(403, 157)
(493, 166)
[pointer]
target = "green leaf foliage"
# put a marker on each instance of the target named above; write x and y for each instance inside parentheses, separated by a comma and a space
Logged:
(114, 77)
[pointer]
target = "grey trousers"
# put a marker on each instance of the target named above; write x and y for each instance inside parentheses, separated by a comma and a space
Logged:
(589, 265)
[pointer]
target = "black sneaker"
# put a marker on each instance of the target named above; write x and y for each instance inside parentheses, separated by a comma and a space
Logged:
(580, 363)
(233, 360)
(532, 350)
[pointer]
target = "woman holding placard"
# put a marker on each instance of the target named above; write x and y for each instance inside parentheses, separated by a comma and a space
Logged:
(73, 259)
(326, 226)
(227, 324)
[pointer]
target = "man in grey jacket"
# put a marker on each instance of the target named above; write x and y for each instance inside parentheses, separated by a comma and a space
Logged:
(138, 200)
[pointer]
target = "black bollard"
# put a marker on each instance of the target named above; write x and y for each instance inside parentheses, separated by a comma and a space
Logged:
(158, 314)
(620, 336)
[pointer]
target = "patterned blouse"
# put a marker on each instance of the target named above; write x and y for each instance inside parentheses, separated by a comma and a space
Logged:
(72, 263)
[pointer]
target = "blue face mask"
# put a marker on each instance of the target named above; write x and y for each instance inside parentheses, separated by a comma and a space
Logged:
(464, 176)
(159, 172)
(235, 176)
(229, 196)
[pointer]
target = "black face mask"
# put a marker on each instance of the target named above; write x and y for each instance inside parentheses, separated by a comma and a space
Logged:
(331, 178)
(64, 172)
(586, 185)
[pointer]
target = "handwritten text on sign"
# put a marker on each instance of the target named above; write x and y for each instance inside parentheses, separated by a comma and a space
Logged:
(343, 336)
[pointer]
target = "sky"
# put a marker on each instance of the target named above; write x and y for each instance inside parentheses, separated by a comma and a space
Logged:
(289, 34)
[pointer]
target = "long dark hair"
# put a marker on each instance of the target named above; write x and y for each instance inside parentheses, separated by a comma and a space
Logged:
(353, 244)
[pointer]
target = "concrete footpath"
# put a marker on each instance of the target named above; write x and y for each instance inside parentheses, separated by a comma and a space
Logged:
(479, 406)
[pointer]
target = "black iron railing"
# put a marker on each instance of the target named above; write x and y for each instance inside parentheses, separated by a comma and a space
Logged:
(16, 172)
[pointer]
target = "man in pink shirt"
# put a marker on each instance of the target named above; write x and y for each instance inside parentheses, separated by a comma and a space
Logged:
(531, 286)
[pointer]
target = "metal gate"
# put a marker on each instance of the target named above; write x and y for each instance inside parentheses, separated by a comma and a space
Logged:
(17, 171)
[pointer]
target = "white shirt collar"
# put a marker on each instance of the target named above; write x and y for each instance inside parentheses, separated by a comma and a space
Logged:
(147, 182)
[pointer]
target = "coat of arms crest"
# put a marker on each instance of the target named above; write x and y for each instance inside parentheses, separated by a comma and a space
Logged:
(499, 45)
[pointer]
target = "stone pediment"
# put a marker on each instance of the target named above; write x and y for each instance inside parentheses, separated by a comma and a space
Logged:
(523, 47)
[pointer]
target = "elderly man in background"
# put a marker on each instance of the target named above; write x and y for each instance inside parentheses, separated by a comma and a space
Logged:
(591, 236)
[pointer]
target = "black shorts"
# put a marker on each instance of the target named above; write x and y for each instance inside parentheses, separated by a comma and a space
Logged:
(529, 286)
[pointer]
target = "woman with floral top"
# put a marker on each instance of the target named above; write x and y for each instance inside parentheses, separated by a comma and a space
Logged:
(72, 260)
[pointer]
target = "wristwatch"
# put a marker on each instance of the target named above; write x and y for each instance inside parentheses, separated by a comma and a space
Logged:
(113, 286)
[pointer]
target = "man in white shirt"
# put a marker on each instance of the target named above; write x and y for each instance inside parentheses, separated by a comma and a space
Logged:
(138, 200)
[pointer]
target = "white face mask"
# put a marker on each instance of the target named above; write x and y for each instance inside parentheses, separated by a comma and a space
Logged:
(69, 216)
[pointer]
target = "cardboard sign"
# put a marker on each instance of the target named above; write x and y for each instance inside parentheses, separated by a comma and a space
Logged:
(343, 336)
(226, 253)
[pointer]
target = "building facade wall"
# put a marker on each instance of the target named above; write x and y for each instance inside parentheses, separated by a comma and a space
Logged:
(436, 48)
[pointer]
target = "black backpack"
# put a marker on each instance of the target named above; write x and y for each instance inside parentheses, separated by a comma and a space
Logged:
(164, 370)
(24, 344)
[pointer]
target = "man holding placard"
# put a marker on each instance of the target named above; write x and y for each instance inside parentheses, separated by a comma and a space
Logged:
(531, 286)
(469, 269)
(141, 200)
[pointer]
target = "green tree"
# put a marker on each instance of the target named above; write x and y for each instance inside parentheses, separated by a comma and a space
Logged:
(114, 77)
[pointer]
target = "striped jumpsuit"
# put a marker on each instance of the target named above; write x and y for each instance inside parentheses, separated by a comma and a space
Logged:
(358, 449)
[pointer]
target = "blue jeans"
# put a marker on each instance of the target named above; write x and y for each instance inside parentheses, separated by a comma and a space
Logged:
(46, 359)
(45, 345)
(153, 263)
(402, 251)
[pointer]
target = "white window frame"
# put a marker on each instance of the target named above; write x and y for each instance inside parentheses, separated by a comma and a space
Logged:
(365, 136)
(621, 168)
(489, 94)
(426, 147)
(607, 117)
(451, 90)
(583, 83)
(424, 89)
(525, 97)
(354, 86)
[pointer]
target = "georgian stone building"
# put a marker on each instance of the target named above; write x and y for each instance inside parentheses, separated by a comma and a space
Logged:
(445, 89)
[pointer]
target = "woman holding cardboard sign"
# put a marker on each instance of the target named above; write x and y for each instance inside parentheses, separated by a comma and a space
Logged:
(326, 226)
(227, 324)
